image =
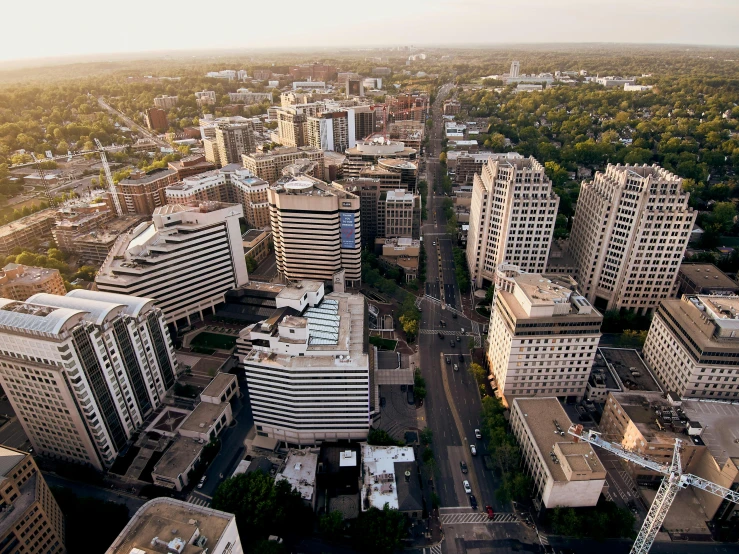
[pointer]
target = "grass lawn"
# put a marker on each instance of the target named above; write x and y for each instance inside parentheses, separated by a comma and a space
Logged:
(213, 340)
(383, 344)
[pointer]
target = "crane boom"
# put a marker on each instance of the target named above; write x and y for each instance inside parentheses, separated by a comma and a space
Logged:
(674, 479)
(109, 178)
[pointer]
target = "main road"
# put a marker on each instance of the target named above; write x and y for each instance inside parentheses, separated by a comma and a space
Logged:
(453, 403)
(131, 124)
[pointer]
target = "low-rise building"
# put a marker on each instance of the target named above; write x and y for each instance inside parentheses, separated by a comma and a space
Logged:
(400, 252)
(165, 102)
(26, 231)
(207, 421)
(205, 97)
(173, 469)
(390, 476)
(256, 244)
(169, 525)
(704, 279)
(18, 282)
(191, 165)
(95, 245)
(299, 469)
(566, 473)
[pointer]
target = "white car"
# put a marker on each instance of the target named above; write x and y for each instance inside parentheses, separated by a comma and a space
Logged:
(473, 449)
(201, 482)
(467, 488)
(478, 435)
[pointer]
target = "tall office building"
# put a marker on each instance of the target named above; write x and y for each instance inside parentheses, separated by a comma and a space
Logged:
(366, 153)
(31, 520)
(365, 121)
(156, 119)
(543, 336)
(83, 371)
(631, 228)
(316, 230)
(515, 69)
(693, 346)
(233, 140)
(291, 126)
(308, 367)
(269, 165)
(512, 216)
(186, 258)
(399, 215)
(332, 131)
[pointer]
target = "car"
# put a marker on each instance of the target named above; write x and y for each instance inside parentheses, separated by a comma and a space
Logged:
(454, 316)
(441, 335)
(410, 397)
(466, 485)
(478, 434)
(202, 481)
(473, 449)
(448, 360)
(473, 502)
(459, 339)
(463, 466)
(461, 358)
(402, 388)
(456, 367)
(452, 343)
(490, 512)
(434, 243)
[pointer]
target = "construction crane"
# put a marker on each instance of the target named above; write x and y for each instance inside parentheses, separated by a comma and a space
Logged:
(674, 479)
(41, 173)
(109, 178)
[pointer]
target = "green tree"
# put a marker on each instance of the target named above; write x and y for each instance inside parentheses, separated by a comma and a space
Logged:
(410, 327)
(379, 531)
(380, 437)
(86, 273)
(478, 373)
(426, 436)
(251, 264)
(331, 525)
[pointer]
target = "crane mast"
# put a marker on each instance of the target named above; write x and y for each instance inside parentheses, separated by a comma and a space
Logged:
(42, 174)
(674, 479)
(109, 178)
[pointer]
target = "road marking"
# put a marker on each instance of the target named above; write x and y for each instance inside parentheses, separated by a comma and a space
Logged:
(477, 517)
(198, 500)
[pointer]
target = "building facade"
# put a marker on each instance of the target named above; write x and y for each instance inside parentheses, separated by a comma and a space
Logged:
(316, 230)
(165, 102)
(368, 152)
(18, 282)
(191, 165)
(512, 215)
(31, 520)
(186, 259)
(83, 371)
(332, 131)
(693, 346)
(142, 193)
(291, 127)
(26, 231)
(543, 336)
(631, 228)
(268, 165)
(704, 279)
(156, 119)
(233, 140)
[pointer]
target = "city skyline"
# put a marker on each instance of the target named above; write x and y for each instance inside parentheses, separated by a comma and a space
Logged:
(436, 23)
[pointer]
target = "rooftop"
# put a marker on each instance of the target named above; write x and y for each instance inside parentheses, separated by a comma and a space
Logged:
(170, 519)
(379, 487)
(203, 417)
(719, 421)
(9, 458)
(10, 517)
(630, 369)
(142, 178)
(13, 226)
(253, 235)
(25, 274)
(300, 471)
(178, 457)
(219, 384)
(708, 276)
(547, 424)
(653, 416)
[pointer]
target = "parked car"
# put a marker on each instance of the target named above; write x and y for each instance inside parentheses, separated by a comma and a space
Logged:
(473, 502)
(202, 482)
(489, 510)
(448, 360)
(409, 394)
(456, 367)
(463, 466)
(382, 401)
(473, 449)
(478, 434)
(466, 485)
(454, 315)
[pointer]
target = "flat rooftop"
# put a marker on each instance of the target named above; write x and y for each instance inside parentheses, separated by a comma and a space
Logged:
(178, 457)
(22, 223)
(720, 423)
(254, 234)
(296, 291)
(643, 409)
(9, 518)
(542, 416)
(160, 516)
(544, 288)
(153, 175)
(708, 275)
(621, 360)
(219, 384)
(203, 417)
(31, 275)
(9, 458)
(300, 471)
(379, 473)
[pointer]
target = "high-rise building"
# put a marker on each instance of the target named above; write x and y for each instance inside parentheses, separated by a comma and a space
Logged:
(331, 131)
(354, 86)
(31, 520)
(174, 526)
(165, 102)
(316, 230)
(186, 259)
(407, 106)
(693, 346)
(368, 152)
(291, 127)
(18, 282)
(212, 154)
(365, 121)
(269, 165)
(512, 216)
(631, 228)
(233, 140)
(543, 336)
(400, 215)
(83, 371)
(515, 69)
(156, 119)
(307, 367)
(142, 193)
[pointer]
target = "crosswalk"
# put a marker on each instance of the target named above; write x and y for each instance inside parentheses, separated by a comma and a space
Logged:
(436, 549)
(199, 500)
(477, 517)
(543, 539)
(442, 331)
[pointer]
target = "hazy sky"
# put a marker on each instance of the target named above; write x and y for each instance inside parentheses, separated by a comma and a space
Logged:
(50, 28)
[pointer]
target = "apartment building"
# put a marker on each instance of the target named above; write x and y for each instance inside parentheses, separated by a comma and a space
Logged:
(332, 131)
(18, 282)
(245, 96)
(211, 152)
(291, 97)
(186, 259)
(165, 102)
(693, 346)
(291, 126)
(93, 246)
(30, 520)
(83, 371)
(308, 367)
(233, 140)
(463, 165)
(191, 165)
(268, 166)
(26, 231)
(566, 473)
(205, 98)
(156, 119)
(316, 230)
(169, 525)
(631, 228)
(77, 218)
(407, 106)
(543, 336)
(368, 152)
(365, 121)
(512, 214)
(399, 215)
(143, 192)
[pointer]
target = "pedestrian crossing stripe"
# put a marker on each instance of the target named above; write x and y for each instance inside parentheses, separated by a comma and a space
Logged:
(198, 501)
(477, 517)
